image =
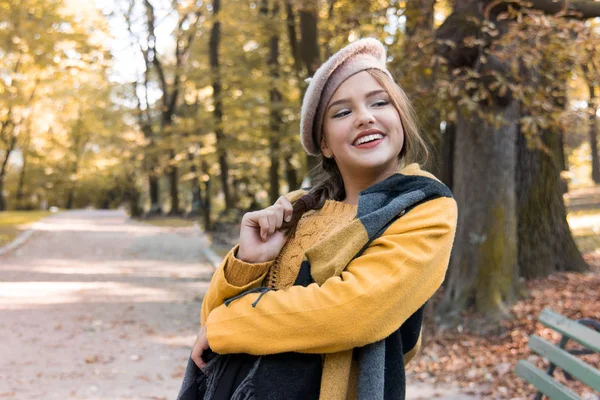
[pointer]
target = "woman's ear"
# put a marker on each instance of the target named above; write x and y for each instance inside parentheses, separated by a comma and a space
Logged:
(325, 149)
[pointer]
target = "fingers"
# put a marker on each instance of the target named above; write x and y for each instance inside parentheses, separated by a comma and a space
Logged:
(288, 209)
(197, 355)
(199, 347)
(270, 219)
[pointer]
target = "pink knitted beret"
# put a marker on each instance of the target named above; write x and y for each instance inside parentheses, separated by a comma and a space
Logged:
(356, 57)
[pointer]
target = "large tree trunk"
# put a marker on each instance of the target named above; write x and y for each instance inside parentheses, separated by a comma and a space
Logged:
(545, 241)
(483, 270)
(215, 38)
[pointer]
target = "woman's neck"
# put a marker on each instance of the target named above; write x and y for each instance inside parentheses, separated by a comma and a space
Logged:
(354, 184)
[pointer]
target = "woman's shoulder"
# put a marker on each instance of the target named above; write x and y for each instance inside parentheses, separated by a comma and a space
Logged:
(415, 169)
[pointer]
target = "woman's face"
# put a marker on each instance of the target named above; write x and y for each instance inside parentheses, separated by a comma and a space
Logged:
(362, 129)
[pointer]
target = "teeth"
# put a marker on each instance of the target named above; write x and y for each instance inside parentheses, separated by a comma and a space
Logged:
(368, 138)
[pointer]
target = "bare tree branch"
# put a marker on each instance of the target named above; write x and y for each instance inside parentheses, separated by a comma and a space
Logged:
(584, 9)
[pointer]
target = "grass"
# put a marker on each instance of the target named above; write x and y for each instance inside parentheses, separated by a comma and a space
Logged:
(14, 222)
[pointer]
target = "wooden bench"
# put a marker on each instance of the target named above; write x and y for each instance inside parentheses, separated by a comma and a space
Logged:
(586, 333)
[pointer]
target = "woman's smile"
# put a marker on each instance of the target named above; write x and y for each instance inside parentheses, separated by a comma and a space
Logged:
(368, 139)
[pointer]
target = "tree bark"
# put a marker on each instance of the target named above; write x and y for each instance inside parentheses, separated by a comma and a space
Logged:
(483, 270)
(2, 201)
(154, 190)
(291, 175)
(419, 30)
(292, 36)
(448, 139)
(584, 9)
(21, 185)
(593, 132)
(196, 188)
(174, 189)
(208, 226)
(275, 98)
(545, 241)
(309, 49)
(7, 138)
(214, 41)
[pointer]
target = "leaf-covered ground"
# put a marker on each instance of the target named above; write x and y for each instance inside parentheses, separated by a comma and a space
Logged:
(487, 363)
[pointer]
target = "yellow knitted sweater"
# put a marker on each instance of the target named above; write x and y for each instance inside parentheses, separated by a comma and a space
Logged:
(374, 295)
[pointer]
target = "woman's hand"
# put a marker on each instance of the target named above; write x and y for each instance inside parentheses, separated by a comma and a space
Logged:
(260, 237)
(199, 347)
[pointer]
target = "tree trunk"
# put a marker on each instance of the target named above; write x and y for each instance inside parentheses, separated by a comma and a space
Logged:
(275, 113)
(2, 177)
(154, 189)
(2, 201)
(545, 241)
(292, 37)
(415, 79)
(291, 174)
(448, 139)
(174, 190)
(70, 198)
(483, 270)
(593, 131)
(215, 38)
(207, 199)
(21, 185)
(4, 167)
(309, 50)
(196, 188)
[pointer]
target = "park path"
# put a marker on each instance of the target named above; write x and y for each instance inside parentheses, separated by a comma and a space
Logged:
(96, 306)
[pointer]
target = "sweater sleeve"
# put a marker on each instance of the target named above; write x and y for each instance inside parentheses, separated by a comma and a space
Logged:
(371, 299)
(233, 277)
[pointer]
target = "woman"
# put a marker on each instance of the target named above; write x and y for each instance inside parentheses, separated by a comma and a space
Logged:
(324, 294)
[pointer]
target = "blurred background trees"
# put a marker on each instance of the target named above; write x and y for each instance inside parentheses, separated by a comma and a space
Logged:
(192, 108)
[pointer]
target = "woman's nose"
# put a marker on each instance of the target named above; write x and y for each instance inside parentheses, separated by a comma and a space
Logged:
(364, 117)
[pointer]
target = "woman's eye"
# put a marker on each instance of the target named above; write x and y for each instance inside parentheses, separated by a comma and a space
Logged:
(381, 103)
(341, 113)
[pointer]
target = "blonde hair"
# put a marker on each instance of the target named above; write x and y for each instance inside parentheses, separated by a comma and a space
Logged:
(328, 182)
(414, 148)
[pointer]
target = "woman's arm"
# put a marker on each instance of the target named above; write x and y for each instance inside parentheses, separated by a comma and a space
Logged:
(233, 277)
(260, 242)
(371, 299)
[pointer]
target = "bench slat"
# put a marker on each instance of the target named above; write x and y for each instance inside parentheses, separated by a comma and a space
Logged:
(573, 365)
(544, 382)
(574, 330)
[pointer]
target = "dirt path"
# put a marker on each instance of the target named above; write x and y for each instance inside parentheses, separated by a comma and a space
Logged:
(95, 306)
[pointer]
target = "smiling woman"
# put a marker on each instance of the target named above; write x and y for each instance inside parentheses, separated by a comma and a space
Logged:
(323, 297)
